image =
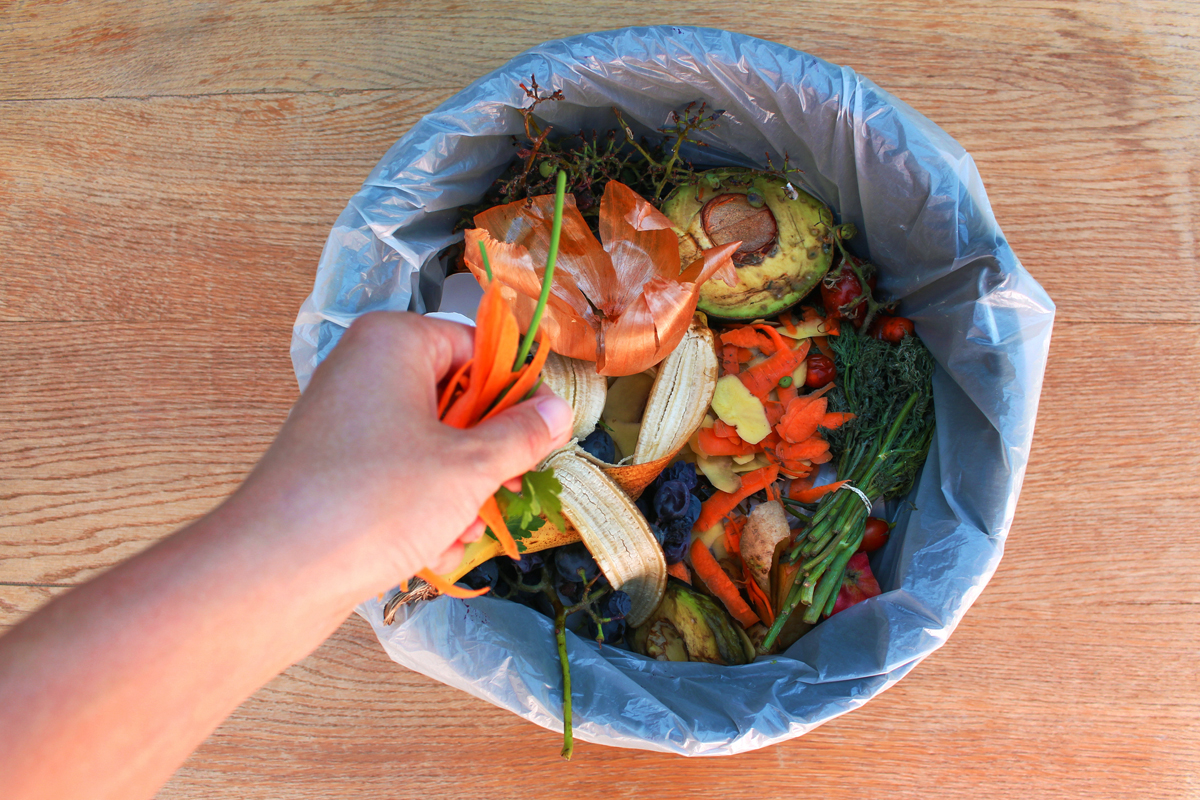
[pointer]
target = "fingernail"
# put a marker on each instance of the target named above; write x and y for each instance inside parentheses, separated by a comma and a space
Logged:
(556, 413)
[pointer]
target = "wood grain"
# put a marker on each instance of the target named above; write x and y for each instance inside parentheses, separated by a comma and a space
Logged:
(169, 173)
(172, 208)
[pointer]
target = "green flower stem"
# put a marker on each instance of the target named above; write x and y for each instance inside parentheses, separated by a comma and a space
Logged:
(548, 278)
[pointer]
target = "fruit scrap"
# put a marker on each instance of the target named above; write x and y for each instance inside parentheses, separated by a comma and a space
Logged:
(623, 304)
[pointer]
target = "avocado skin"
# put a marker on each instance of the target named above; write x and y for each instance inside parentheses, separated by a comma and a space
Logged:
(802, 254)
(708, 632)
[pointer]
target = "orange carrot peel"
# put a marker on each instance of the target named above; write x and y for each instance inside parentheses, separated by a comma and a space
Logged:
(709, 571)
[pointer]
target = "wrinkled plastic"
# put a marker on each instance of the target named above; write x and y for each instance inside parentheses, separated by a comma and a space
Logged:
(918, 202)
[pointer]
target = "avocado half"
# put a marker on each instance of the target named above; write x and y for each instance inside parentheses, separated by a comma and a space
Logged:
(786, 236)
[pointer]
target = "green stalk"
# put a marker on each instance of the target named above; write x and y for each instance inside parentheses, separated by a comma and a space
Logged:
(560, 636)
(560, 192)
(487, 265)
(831, 583)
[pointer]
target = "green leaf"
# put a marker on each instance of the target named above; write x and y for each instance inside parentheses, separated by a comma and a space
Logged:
(543, 489)
(524, 512)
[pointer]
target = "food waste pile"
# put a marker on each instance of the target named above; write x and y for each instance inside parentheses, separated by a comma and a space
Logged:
(742, 399)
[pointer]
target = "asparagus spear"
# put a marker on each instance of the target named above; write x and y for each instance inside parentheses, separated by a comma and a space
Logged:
(889, 389)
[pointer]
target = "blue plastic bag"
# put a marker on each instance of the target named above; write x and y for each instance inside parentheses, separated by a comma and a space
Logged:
(924, 219)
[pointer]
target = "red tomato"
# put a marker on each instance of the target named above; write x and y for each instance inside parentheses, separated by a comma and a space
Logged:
(839, 290)
(876, 535)
(858, 585)
(892, 329)
(821, 371)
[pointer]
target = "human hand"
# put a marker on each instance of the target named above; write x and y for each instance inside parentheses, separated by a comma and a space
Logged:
(364, 466)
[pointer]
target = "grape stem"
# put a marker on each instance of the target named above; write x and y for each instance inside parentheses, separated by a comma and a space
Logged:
(560, 638)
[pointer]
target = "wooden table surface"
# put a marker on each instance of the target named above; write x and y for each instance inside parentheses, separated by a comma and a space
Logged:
(168, 175)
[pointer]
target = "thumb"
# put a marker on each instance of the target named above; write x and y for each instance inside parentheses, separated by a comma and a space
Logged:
(517, 439)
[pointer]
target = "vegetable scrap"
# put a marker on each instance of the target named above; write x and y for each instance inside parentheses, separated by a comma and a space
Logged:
(728, 431)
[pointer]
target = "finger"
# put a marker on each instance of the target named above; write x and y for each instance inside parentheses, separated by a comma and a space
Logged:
(449, 560)
(473, 532)
(517, 439)
(449, 345)
(513, 485)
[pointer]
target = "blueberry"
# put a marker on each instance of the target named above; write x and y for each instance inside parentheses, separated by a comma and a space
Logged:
(671, 500)
(571, 559)
(600, 445)
(693, 511)
(659, 533)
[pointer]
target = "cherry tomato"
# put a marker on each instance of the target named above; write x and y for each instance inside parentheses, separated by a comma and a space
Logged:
(842, 288)
(892, 329)
(876, 535)
(821, 371)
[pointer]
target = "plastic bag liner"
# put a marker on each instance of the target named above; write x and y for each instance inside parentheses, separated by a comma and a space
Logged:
(918, 202)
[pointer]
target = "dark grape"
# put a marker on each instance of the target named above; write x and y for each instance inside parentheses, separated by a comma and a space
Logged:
(600, 445)
(613, 630)
(541, 604)
(486, 574)
(693, 511)
(615, 605)
(680, 471)
(645, 503)
(571, 559)
(671, 500)
(530, 562)
(569, 592)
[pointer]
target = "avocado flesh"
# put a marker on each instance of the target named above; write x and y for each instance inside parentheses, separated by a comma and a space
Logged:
(707, 631)
(768, 282)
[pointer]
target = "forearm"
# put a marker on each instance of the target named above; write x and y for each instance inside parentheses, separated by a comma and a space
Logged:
(106, 691)
(109, 689)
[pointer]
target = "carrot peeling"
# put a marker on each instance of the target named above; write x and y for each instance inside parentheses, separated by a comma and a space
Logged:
(680, 570)
(802, 419)
(811, 495)
(714, 445)
(489, 512)
(447, 588)
(758, 599)
(719, 506)
(709, 571)
(836, 419)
